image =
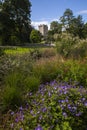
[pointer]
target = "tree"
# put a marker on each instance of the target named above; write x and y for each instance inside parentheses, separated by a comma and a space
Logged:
(35, 36)
(77, 27)
(66, 19)
(85, 30)
(50, 37)
(15, 18)
(55, 27)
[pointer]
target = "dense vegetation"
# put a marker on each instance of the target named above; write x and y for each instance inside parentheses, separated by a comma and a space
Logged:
(15, 23)
(42, 87)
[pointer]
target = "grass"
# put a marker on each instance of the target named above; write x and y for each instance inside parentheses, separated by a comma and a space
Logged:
(45, 90)
(17, 50)
(45, 51)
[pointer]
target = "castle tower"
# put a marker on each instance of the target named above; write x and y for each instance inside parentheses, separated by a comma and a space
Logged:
(43, 29)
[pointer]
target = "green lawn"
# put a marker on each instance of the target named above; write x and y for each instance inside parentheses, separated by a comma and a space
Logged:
(17, 50)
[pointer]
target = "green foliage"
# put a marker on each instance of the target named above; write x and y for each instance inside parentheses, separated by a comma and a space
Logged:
(55, 27)
(66, 19)
(15, 20)
(12, 98)
(64, 46)
(32, 83)
(58, 105)
(54, 106)
(15, 80)
(14, 40)
(77, 27)
(36, 54)
(72, 48)
(35, 36)
(2, 51)
(45, 70)
(73, 72)
(72, 24)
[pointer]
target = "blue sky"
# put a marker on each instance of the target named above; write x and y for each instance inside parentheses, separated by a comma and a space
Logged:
(46, 11)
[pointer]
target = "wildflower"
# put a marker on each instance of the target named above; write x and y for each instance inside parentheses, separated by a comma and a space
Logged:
(21, 108)
(12, 113)
(85, 104)
(79, 114)
(44, 109)
(21, 129)
(49, 94)
(64, 114)
(38, 128)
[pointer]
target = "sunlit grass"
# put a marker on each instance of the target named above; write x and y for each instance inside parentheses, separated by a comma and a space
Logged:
(17, 50)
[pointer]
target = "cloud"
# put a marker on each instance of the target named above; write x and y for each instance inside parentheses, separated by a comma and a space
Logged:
(35, 24)
(46, 21)
(82, 12)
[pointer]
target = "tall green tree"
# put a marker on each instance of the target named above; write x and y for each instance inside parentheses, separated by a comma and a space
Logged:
(55, 27)
(77, 27)
(66, 19)
(85, 30)
(15, 19)
(35, 36)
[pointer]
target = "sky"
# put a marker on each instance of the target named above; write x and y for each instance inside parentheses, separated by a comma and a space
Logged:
(46, 11)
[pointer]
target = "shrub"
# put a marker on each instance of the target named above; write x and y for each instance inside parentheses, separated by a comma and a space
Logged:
(15, 80)
(64, 46)
(12, 98)
(35, 54)
(46, 70)
(13, 92)
(14, 40)
(48, 52)
(35, 36)
(2, 51)
(32, 83)
(72, 48)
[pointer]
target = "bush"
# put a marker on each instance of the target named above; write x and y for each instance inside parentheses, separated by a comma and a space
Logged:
(15, 80)
(13, 92)
(73, 72)
(2, 51)
(32, 83)
(46, 70)
(12, 98)
(64, 46)
(72, 48)
(35, 54)
(14, 41)
(48, 52)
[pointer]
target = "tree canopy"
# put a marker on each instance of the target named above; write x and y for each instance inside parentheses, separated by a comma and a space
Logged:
(15, 19)
(35, 36)
(55, 27)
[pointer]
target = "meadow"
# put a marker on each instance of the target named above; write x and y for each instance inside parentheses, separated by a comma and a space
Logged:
(44, 88)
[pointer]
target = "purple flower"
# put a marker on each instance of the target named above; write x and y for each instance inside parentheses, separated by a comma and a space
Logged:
(38, 128)
(79, 114)
(21, 108)
(21, 129)
(85, 104)
(44, 109)
(83, 99)
(16, 120)
(64, 114)
(49, 94)
(12, 113)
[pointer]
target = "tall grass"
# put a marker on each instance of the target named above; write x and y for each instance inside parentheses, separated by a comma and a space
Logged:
(26, 74)
(72, 48)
